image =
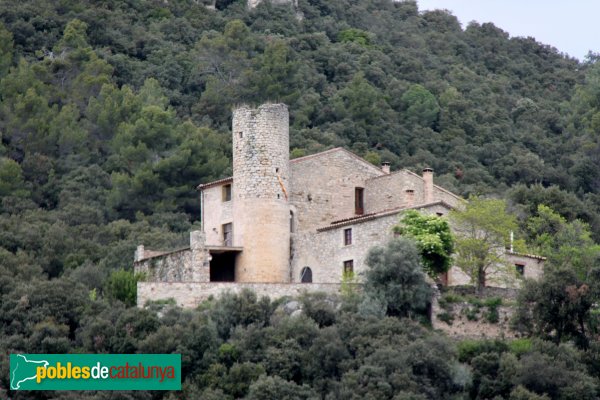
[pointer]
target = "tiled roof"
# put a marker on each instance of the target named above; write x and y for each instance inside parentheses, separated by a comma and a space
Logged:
(534, 256)
(214, 183)
(368, 217)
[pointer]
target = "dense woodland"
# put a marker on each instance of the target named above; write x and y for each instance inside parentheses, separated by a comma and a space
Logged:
(111, 112)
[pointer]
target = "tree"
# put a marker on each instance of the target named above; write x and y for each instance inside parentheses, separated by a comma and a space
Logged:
(557, 307)
(433, 237)
(565, 244)
(421, 106)
(6, 50)
(482, 230)
(273, 387)
(395, 277)
(122, 285)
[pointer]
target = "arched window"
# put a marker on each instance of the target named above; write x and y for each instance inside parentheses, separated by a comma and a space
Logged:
(306, 275)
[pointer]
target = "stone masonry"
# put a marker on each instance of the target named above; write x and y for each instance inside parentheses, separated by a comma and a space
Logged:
(281, 227)
(261, 210)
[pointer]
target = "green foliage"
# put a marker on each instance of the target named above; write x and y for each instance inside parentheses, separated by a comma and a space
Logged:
(112, 112)
(122, 286)
(558, 307)
(420, 106)
(565, 244)
(11, 179)
(520, 346)
(520, 393)
(240, 310)
(433, 237)
(395, 277)
(482, 230)
(269, 388)
(446, 317)
(6, 50)
(354, 35)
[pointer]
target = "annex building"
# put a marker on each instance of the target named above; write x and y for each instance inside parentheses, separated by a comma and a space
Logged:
(281, 226)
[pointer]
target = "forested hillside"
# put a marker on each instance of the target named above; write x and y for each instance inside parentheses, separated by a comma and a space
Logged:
(111, 112)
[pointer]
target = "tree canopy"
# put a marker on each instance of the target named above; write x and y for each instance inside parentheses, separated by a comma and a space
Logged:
(433, 237)
(482, 234)
(111, 112)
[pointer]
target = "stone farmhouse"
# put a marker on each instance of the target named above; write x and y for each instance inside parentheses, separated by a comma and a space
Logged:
(281, 226)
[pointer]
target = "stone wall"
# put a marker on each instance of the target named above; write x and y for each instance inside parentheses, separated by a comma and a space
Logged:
(324, 252)
(261, 151)
(185, 265)
(504, 275)
(261, 211)
(175, 266)
(216, 213)
(191, 294)
(464, 328)
(389, 191)
(470, 320)
(534, 266)
(323, 186)
(441, 194)
(255, 3)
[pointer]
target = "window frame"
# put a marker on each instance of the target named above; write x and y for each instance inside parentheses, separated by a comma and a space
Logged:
(359, 200)
(348, 267)
(347, 236)
(227, 234)
(226, 192)
(520, 269)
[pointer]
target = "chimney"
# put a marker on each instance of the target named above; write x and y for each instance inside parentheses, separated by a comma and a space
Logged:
(139, 253)
(385, 167)
(409, 197)
(428, 185)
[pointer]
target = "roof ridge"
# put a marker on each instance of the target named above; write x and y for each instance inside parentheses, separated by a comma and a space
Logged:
(213, 183)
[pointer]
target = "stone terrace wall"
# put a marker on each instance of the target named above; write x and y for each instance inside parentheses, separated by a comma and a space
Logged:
(463, 328)
(193, 293)
(476, 328)
(191, 264)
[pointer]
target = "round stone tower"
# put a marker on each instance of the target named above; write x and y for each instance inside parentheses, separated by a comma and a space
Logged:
(261, 212)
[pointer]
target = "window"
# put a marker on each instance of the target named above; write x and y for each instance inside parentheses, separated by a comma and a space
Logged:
(241, 134)
(359, 204)
(347, 237)
(228, 235)
(306, 275)
(348, 267)
(226, 192)
(439, 214)
(520, 269)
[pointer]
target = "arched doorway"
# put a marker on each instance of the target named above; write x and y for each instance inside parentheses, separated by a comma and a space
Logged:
(306, 275)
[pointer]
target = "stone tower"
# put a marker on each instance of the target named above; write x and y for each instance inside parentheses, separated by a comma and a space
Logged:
(261, 212)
